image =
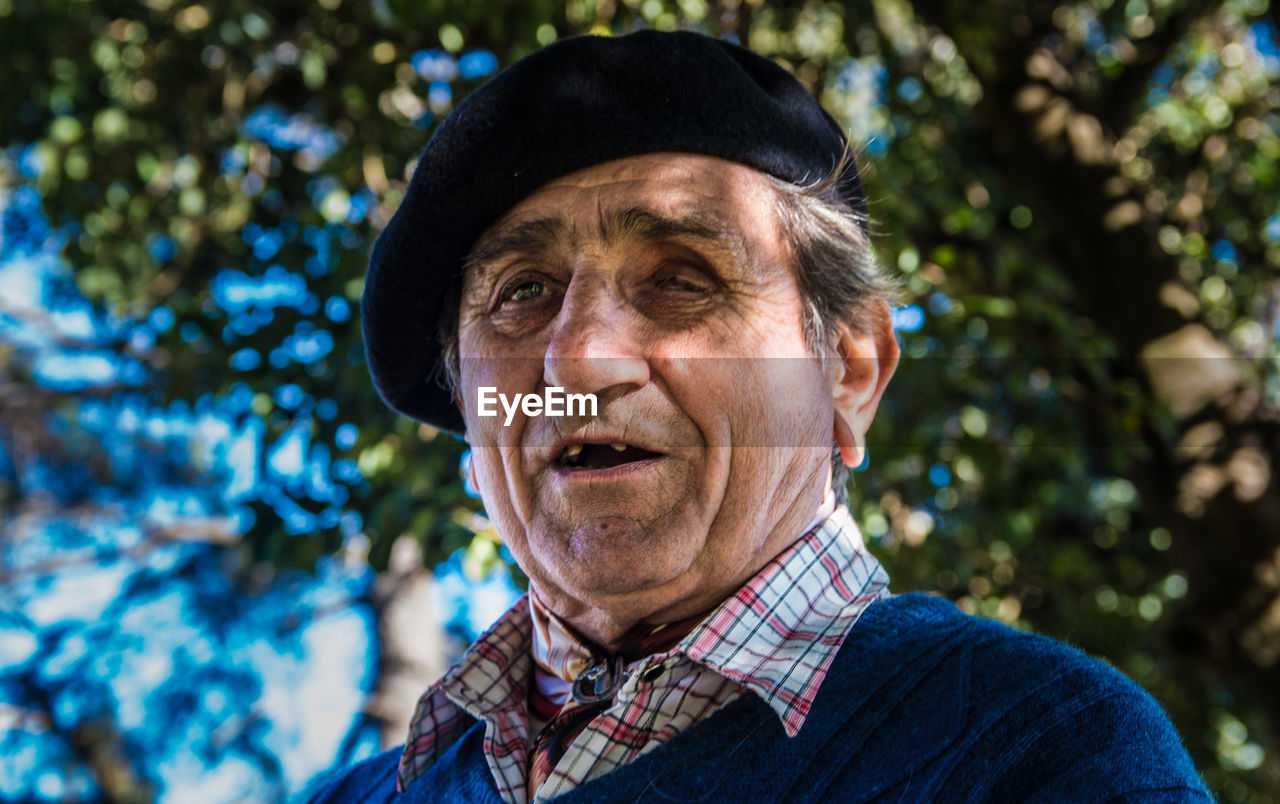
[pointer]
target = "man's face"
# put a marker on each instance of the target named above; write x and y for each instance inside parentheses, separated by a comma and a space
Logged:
(663, 285)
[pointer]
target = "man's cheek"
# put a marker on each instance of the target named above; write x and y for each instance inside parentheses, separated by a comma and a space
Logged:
(493, 390)
(499, 485)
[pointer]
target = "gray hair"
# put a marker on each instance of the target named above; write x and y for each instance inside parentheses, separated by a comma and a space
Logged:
(841, 282)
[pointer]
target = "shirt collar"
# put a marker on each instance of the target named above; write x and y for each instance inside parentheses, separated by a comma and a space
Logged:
(490, 682)
(778, 635)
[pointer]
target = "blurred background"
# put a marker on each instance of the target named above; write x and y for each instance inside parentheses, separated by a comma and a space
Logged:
(225, 566)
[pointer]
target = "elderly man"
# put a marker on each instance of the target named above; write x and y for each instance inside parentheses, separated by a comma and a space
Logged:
(666, 226)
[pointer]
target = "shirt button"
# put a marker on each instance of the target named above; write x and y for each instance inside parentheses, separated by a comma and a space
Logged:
(651, 673)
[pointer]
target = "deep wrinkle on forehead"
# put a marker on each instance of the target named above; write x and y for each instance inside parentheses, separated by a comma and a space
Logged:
(632, 224)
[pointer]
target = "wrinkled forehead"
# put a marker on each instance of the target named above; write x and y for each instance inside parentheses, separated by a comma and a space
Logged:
(722, 204)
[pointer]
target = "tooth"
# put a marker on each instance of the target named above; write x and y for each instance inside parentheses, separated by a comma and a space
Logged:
(572, 451)
(618, 447)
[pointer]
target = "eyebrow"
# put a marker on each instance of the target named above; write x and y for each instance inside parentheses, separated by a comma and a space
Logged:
(620, 225)
(523, 238)
(642, 223)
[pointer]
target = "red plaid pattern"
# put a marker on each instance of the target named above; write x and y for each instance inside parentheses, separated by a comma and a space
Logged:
(775, 638)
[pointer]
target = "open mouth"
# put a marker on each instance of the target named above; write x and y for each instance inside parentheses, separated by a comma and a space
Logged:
(601, 456)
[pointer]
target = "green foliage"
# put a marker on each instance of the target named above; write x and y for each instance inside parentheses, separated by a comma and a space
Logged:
(1063, 186)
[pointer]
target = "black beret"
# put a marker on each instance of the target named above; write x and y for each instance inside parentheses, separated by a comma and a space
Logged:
(571, 105)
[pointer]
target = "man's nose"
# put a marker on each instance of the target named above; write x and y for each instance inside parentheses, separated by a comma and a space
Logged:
(595, 345)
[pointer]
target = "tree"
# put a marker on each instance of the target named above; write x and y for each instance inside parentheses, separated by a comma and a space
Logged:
(1081, 198)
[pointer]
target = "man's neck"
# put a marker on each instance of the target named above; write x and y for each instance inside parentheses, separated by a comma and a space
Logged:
(825, 510)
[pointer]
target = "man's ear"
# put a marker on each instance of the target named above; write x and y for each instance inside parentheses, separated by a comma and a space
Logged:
(867, 359)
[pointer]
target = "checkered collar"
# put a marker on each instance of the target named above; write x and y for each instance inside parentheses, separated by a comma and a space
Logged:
(776, 637)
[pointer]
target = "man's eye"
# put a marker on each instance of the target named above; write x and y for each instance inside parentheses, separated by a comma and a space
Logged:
(682, 284)
(524, 291)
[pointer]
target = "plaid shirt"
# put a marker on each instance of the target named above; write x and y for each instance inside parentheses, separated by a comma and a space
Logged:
(775, 638)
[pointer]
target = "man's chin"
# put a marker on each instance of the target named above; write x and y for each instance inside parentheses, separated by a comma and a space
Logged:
(599, 517)
(614, 555)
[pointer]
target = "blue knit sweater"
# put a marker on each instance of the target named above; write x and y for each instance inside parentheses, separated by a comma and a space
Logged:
(923, 703)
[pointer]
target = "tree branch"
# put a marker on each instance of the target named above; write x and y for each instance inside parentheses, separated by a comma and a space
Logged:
(1120, 96)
